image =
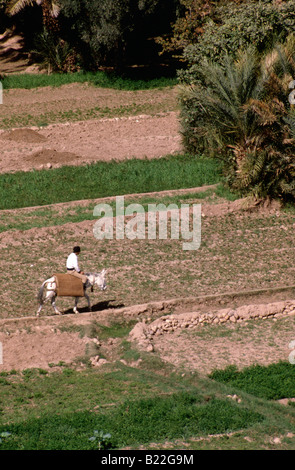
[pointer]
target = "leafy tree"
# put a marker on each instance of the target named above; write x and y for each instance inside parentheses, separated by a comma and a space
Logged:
(113, 32)
(190, 25)
(210, 29)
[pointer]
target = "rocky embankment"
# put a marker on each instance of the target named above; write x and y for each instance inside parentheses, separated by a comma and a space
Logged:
(142, 334)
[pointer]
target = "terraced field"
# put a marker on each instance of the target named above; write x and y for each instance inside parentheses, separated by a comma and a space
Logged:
(246, 256)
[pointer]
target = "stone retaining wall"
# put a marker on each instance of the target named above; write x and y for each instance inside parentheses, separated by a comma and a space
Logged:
(143, 333)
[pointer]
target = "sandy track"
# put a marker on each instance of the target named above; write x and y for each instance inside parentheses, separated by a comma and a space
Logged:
(46, 340)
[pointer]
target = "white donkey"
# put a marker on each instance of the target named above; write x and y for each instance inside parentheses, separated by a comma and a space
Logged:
(50, 286)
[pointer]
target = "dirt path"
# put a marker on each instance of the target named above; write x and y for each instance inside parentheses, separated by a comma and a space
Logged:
(45, 341)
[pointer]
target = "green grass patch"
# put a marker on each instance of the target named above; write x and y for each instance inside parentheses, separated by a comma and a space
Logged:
(99, 79)
(121, 406)
(134, 422)
(272, 382)
(61, 410)
(103, 179)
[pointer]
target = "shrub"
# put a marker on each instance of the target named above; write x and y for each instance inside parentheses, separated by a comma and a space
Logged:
(55, 54)
(113, 32)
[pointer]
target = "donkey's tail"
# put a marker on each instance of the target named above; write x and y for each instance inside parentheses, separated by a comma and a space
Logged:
(41, 290)
(40, 293)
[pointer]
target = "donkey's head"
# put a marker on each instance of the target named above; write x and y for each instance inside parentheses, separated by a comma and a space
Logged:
(100, 280)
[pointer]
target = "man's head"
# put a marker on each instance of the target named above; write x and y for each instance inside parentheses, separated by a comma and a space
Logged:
(76, 250)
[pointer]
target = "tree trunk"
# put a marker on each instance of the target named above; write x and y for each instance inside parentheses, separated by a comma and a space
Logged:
(50, 23)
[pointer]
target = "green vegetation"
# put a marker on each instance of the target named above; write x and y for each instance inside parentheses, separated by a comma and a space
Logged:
(43, 116)
(100, 79)
(273, 382)
(239, 60)
(232, 26)
(132, 423)
(144, 270)
(235, 109)
(40, 412)
(69, 34)
(23, 189)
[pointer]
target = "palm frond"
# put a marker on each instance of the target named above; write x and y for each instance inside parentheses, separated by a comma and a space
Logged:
(15, 6)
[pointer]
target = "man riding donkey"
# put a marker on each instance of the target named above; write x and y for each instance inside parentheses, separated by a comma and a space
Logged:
(65, 286)
(73, 265)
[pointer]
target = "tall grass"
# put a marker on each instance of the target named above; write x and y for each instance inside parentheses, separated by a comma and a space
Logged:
(99, 79)
(70, 183)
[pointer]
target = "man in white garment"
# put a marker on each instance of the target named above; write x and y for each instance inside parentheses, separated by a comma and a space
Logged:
(73, 265)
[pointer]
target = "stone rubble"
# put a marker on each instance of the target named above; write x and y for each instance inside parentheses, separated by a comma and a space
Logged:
(143, 333)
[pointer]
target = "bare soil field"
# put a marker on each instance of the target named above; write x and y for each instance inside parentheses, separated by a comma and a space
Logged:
(92, 140)
(241, 251)
(79, 123)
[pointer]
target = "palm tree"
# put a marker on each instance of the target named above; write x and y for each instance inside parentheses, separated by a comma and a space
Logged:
(50, 11)
(219, 119)
(240, 111)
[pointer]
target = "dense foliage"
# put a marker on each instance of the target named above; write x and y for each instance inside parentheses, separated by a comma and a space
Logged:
(260, 24)
(72, 34)
(235, 94)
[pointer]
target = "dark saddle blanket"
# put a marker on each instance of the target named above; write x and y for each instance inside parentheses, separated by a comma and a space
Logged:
(69, 286)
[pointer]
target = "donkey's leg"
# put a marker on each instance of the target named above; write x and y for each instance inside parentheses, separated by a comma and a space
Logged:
(42, 302)
(75, 306)
(88, 301)
(53, 297)
(39, 309)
